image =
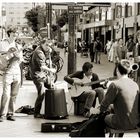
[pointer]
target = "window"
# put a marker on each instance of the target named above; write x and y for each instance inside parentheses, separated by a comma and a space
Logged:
(118, 11)
(11, 13)
(138, 8)
(97, 16)
(129, 12)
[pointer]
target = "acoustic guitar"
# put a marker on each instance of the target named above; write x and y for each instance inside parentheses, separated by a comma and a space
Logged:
(76, 90)
(5, 57)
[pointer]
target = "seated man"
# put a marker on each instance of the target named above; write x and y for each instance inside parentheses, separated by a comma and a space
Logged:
(92, 92)
(124, 95)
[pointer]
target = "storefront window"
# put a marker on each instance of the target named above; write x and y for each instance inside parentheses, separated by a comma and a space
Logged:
(138, 8)
(129, 12)
(118, 11)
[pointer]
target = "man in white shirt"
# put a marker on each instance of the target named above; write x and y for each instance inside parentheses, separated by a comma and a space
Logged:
(11, 77)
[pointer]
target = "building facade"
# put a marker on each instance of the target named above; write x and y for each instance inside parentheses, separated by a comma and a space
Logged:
(117, 21)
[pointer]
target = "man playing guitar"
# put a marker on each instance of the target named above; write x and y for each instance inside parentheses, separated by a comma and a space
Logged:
(37, 66)
(88, 95)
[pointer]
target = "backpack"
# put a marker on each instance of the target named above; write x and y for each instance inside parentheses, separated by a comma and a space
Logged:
(93, 127)
(98, 46)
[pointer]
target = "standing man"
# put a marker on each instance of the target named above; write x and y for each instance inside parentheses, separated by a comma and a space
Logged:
(11, 76)
(37, 65)
(87, 94)
(130, 46)
(98, 49)
(124, 95)
(92, 51)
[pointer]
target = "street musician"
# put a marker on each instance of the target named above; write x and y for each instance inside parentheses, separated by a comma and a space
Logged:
(11, 75)
(88, 94)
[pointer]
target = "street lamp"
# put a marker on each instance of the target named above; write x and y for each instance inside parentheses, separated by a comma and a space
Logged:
(3, 21)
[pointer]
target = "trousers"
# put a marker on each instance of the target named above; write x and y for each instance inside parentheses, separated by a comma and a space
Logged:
(11, 85)
(89, 97)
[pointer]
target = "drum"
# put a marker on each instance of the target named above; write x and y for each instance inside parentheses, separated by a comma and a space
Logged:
(55, 104)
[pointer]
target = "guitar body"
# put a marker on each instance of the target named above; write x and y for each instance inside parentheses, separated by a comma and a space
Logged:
(5, 57)
(76, 90)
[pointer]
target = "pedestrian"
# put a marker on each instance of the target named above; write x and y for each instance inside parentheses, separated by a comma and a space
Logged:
(98, 49)
(38, 65)
(137, 55)
(121, 50)
(130, 46)
(108, 47)
(123, 93)
(88, 94)
(92, 51)
(11, 76)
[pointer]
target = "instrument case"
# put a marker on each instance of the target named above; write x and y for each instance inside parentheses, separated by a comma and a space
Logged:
(55, 127)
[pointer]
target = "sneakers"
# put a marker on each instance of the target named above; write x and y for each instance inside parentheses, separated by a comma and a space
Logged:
(10, 117)
(38, 116)
(1, 118)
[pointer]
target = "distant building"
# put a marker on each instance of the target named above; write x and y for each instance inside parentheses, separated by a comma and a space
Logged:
(15, 13)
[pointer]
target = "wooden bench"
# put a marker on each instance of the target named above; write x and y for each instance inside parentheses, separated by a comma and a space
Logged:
(120, 133)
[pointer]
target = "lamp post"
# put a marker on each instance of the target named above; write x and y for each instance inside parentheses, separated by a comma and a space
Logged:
(3, 21)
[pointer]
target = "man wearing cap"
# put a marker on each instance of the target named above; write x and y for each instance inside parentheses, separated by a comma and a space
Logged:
(123, 94)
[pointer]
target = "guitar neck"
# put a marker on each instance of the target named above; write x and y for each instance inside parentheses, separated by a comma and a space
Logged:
(98, 81)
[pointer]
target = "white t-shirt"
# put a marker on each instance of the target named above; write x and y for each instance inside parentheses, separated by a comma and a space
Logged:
(14, 65)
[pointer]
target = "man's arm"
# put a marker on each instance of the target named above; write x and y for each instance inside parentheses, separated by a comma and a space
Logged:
(69, 78)
(109, 97)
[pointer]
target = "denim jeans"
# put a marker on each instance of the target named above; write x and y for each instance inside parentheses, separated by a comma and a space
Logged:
(11, 85)
(41, 92)
(89, 97)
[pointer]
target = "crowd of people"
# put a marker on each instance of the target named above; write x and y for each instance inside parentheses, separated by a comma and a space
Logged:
(123, 93)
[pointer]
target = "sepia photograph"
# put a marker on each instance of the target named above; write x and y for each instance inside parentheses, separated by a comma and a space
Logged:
(69, 69)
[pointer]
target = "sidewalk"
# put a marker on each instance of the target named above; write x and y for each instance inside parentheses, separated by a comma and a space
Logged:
(27, 126)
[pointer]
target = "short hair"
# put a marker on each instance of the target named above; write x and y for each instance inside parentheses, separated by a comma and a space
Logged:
(87, 66)
(10, 31)
(122, 69)
(130, 37)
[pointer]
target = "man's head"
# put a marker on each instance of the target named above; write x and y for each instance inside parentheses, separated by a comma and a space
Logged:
(87, 68)
(130, 38)
(123, 67)
(45, 45)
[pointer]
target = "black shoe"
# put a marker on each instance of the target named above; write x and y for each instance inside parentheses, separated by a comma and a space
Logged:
(1, 118)
(38, 116)
(10, 118)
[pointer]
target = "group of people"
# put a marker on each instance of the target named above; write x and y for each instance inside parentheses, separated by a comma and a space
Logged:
(117, 50)
(123, 93)
(12, 74)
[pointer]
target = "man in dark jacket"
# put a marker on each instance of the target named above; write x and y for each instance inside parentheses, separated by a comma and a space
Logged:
(37, 65)
(89, 93)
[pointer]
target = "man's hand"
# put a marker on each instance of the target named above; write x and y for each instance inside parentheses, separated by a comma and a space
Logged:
(53, 70)
(78, 83)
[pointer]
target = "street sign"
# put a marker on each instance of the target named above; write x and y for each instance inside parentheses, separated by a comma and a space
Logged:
(74, 9)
